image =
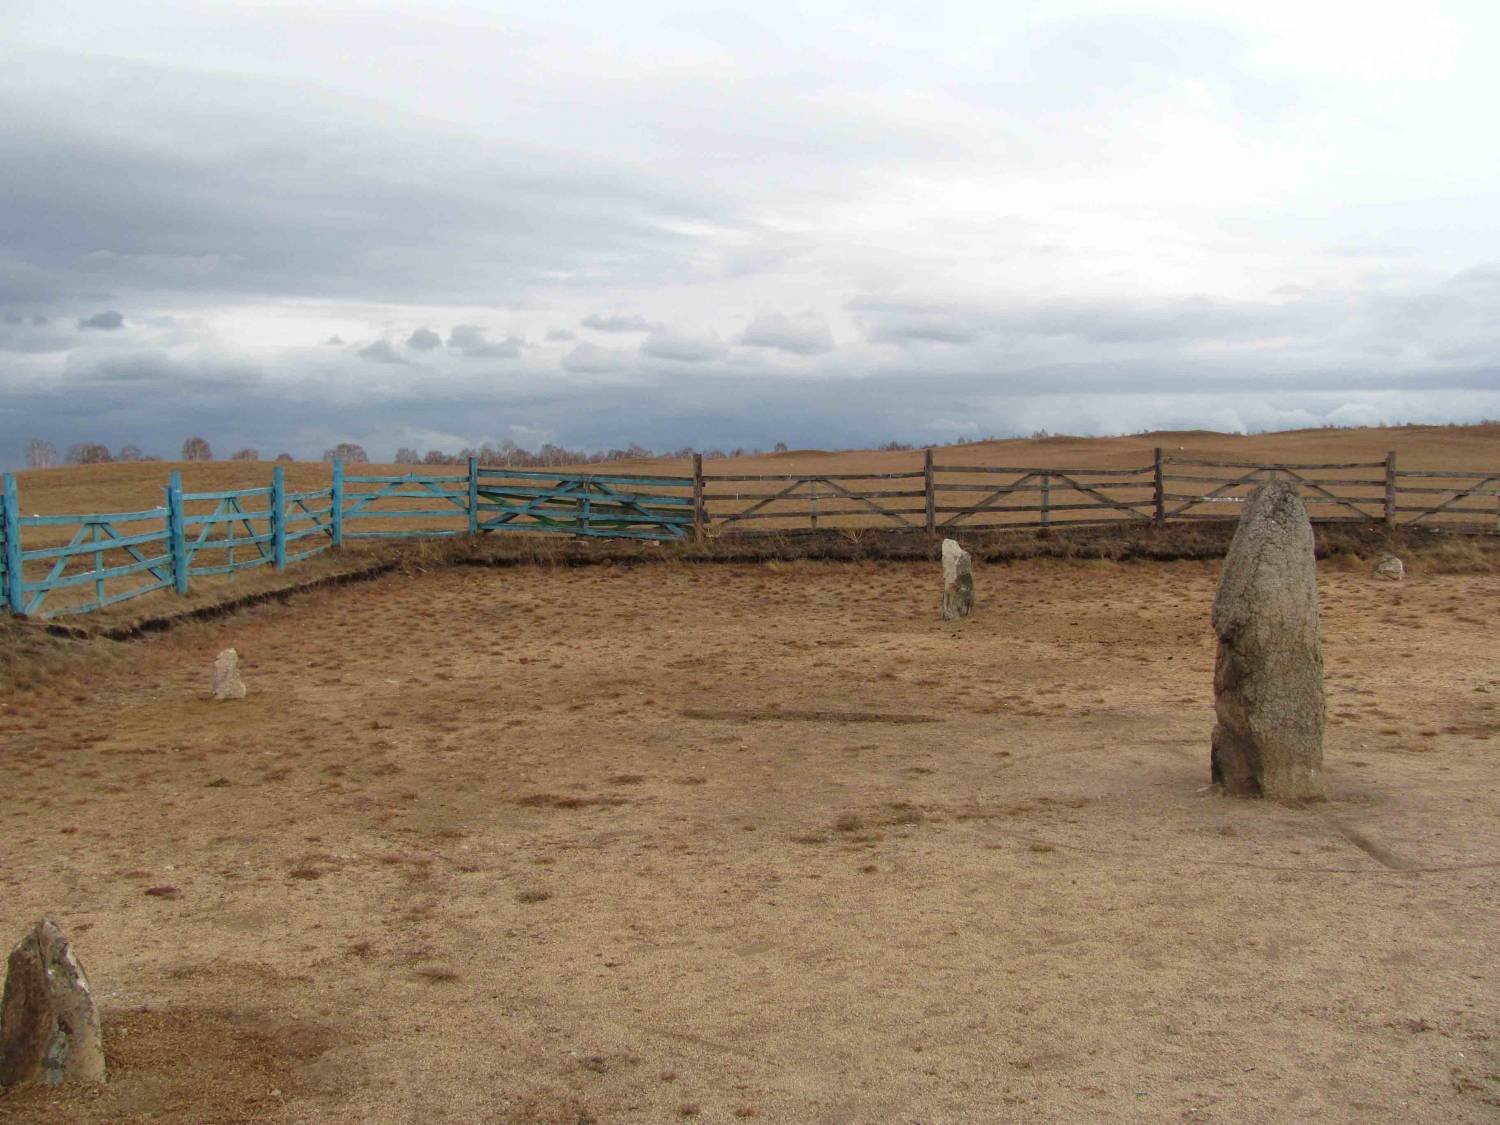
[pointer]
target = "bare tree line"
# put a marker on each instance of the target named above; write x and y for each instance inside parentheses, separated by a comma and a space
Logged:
(43, 454)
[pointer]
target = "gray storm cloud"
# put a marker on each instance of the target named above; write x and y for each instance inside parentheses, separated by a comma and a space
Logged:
(471, 341)
(807, 334)
(104, 321)
(616, 322)
(918, 223)
(682, 347)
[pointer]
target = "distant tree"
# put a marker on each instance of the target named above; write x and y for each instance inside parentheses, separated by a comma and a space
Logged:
(129, 452)
(246, 455)
(435, 457)
(41, 454)
(283, 456)
(779, 447)
(88, 453)
(405, 456)
(348, 452)
(196, 449)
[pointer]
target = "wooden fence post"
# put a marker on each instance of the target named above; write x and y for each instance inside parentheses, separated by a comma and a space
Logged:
(1046, 498)
(1390, 488)
(278, 516)
(177, 535)
(1161, 492)
(927, 486)
(336, 503)
(700, 515)
(473, 495)
(15, 594)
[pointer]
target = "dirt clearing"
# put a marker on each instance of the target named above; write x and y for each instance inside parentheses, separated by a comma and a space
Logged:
(767, 841)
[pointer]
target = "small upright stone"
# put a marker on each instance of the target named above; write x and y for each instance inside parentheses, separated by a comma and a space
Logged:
(227, 682)
(1268, 679)
(958, 581)
(1389, 566)
(49, 1027)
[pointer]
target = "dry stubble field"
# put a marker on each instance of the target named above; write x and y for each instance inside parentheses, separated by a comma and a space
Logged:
(722, 842)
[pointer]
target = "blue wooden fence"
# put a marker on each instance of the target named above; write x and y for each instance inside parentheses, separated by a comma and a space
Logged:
(99, 560)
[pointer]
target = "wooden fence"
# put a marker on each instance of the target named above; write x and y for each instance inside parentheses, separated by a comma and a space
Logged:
(77, 563)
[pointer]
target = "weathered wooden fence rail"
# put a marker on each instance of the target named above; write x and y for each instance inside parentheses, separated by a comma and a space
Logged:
(79, 563)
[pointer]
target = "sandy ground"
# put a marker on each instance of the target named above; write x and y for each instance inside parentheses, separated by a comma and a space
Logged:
(723, 842)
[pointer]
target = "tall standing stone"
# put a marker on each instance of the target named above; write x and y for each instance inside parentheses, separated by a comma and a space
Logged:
(1268, 679)
(227, 682)
(49, 1027)
(958, 581)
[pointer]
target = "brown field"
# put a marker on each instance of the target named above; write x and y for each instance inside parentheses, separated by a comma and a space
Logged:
(106, 488)
(773, 842)
(138, 487)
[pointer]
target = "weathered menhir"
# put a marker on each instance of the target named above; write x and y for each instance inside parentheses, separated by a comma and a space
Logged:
(49, 1027)
(1268, 678)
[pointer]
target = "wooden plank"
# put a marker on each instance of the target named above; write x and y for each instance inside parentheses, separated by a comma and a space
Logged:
(402, 534)
(823, 514)
(62, 611)
(1390, 488)
(521, 491)
(472, 499)
(874, 507)
(278, 516)
(231, 494)
(308, 554)
(1464, 495)
(1138, 486)
(230, 568)
(1417, 490)
(78, 547)
(1301, 465)
(881, 494)
(1446, 511)
(336, 503)
(603, 478)
(84, 578)
(1252, 476)
(1352, 483)
(1325, 493)
(107, 517)
(1037, 508)
(406, 514)
(408, 478)
(798, 477)
(1004, 490)
(1096, 494)
(930, 521)
(700, 510)
(1159, 514)
(788, 491)
(1448, 474)
(1036, 469)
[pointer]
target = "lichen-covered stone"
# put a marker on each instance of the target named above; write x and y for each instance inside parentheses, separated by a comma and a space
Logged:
(227, 682)
(1268, 679)
(958, 581)
(49, 1027)
(1389, 566)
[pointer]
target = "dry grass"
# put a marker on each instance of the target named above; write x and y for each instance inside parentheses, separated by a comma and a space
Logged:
(555, 862)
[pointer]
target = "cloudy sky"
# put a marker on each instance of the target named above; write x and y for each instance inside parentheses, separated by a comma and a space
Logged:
(284, 225)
